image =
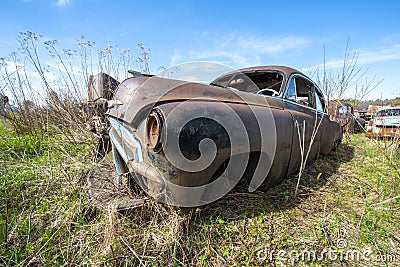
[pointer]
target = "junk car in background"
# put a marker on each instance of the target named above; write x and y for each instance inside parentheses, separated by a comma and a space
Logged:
(144, 107)
(344, 114)
(386, 123)
(101, 90)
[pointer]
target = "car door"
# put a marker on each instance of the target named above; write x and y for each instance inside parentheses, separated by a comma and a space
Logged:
(300, 102)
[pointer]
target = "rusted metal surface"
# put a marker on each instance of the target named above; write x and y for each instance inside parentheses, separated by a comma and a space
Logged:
(148, 101)
(386, 131)
(101, 85)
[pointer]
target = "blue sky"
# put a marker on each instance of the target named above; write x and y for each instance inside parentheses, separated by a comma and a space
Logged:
(235, 33)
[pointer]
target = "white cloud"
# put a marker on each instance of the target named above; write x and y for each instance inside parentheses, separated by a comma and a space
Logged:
(63, 3)
(239, 50)
(392, 53)
(364, 57)
(220, 55)
(176, 57)
(12, 66)
(68, 69)
(47, 75)
(274, 45)
(202, 72)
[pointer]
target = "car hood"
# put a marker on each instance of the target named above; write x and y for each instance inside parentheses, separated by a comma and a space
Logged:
(136, 96)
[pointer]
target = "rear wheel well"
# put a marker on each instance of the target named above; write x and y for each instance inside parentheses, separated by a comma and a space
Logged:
(336, 144)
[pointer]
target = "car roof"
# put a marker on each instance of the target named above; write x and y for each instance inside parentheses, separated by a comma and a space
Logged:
(287, 71)
(388, 108)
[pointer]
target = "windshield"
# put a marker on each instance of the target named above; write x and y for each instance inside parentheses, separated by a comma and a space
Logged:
(253, 82)
(342, 110)
(388, 112)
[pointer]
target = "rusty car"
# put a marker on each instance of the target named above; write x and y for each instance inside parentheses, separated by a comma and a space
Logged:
(257, 124)
(346, 116)
(386, 123)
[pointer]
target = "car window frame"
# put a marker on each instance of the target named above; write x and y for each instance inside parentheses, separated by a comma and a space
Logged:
(318, 100)
(316, 89)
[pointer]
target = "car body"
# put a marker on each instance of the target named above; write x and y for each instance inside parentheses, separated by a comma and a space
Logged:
(345, 115)
(386, 123)
(280, 111)
(363, 115)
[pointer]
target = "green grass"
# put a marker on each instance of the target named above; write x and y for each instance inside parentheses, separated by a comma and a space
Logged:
(350, 195)
(41, 185)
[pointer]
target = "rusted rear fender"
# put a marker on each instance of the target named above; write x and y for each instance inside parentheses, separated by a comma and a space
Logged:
(332, 136)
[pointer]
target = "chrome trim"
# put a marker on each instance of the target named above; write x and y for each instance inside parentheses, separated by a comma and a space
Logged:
(125, 142)
(117, 162)
(304, 106)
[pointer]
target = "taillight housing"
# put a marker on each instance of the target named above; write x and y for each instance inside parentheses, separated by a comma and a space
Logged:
(154, 126)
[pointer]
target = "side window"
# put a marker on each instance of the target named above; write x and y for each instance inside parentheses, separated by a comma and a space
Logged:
(319, 103)
(302, 91)
(291, 90)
